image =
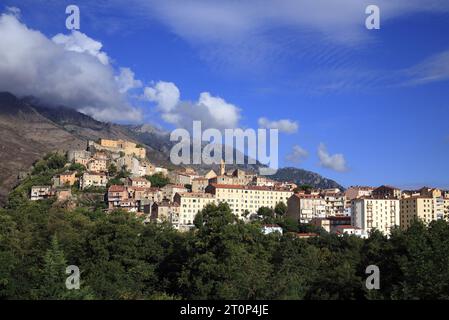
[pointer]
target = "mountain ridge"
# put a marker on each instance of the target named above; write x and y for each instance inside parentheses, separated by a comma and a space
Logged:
(29, 130)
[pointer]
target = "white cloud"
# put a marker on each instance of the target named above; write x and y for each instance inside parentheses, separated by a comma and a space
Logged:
(74, 73)
(284, 125)
(241, 32)
(335, 162)
(126, 80)
(165, 94)
(79, 42)
(13, 11)
(434, 68)
(297, 155)
(212, 111)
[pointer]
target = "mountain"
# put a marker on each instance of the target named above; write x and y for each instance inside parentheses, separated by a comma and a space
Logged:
(304, 177)
(29, 130)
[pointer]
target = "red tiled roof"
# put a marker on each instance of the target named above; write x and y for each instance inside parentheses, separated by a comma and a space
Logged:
(116, 188)
(236, 186)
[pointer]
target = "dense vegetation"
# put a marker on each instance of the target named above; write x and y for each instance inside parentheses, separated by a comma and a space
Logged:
(121, 258)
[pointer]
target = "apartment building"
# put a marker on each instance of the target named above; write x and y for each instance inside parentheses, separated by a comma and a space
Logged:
(386, 192)
(190, 204)
(41, 192)
(139, 182)
(421, 208)
(97, 165)
(446, 205)
(165, 211)
(243, 199)
(116, 194)
(335, 202)
(93, 179)
(370, 213)
(355, 192)
(305, 207)
(330, 223)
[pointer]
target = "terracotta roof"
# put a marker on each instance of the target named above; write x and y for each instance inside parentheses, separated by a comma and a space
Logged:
(345, 226)
(116, 188)
(236, 186)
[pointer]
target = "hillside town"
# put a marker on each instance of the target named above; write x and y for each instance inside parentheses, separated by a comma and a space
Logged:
(121, 171)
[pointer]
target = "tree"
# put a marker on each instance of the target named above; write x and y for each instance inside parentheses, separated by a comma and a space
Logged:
(265, 212)
(305, 187)
(78, 167)
(280, 209)
(158, 180)
(112, 169)
(53, 276)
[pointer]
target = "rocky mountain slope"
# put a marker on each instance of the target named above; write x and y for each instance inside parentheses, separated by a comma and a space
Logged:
(304, 177)
(29, 130)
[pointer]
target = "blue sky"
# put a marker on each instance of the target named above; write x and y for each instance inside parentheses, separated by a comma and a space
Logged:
(376, 99)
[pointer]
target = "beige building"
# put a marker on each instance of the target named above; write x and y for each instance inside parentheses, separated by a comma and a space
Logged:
(79, 156)
(199, 184)
(210, 175)
(97, 165)
(355, 192)
(182, 178)
(372, 213)
(139, 182)
(305, 207)
(93, 179)
(262, 181)
(67, 178)
(117, 146)
(165, 211)
(242, 199)
(190, 204)
(421, 208)
(170, 190)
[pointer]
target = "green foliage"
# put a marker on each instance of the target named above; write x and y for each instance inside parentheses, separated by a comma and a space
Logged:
(115, 181)
(124, 173)
(120, 257)
(280, 208)
(305, 187)
(78, 167)
(112, 169)
(158, 180)
(51, 161)
(265, 212)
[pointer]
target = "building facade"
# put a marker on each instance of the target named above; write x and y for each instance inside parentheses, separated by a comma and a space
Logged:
(372, 213)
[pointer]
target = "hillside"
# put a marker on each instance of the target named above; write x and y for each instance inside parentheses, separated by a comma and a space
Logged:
(301, 177)
(29, 130)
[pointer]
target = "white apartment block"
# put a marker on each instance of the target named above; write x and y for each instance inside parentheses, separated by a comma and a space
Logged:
(190, 204)
(370, 213)
(243, 199)
(335, 202)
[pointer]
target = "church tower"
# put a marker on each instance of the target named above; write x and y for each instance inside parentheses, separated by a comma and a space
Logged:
(222, 168)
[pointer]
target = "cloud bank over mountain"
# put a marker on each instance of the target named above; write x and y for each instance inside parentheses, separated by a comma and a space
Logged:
(68, 70)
